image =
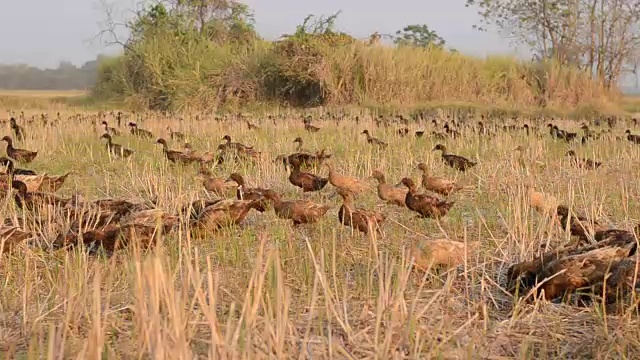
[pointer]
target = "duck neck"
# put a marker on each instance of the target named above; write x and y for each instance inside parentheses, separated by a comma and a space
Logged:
(299, 147)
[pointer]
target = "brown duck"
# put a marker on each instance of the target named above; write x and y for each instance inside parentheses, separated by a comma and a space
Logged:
(175, 156)
(425, 205)
(356, 218)
(215, 185)
(245, 193)
(374, 141)
(234, 145)
(110, 130)
(11, 169)
(10, 236)
(298, 211)
(116, 149)
(437, 184)
(305, 159)
(351, 184)
(582, 163)
(21, 155)
(455, 161)
(306, 181)
(225, 213)
(135, 131)
(579, 225)
(387, 192)
(175, 135)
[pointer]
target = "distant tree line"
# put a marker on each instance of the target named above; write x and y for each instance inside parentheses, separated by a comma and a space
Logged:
(65, 77)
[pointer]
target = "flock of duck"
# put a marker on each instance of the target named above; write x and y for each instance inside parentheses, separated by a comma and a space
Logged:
(112, 224)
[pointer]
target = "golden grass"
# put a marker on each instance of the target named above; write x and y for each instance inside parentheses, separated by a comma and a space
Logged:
(267, 290)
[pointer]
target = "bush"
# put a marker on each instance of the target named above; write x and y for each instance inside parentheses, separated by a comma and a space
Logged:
(170, 66)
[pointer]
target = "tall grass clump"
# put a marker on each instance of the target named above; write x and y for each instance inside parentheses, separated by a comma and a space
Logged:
(173, 62)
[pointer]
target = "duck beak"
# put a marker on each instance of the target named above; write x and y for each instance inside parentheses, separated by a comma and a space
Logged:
(229, 180)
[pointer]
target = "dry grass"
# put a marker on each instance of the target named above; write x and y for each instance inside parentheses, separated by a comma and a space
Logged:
(270, 291)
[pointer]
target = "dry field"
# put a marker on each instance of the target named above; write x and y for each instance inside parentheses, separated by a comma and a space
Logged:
(269, 290)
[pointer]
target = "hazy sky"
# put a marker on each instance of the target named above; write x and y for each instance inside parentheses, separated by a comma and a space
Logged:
(44, 32)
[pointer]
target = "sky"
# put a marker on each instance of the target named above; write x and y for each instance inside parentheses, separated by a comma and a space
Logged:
(65, 30)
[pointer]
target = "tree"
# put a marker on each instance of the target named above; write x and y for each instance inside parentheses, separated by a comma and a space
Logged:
(600, 36)
(418, 36)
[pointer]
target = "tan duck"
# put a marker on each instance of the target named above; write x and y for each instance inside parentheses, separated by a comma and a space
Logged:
(175, 156)
(34, 200)
(437, 184)
(10, 236)
(216, 185)
(350, 184)
(438, 252)
(246, 193)
(21, 155)
(306, 181)
(224, 213)
(425, 205)
(455, 161)
(43, 182)
(116, 149)
(356, 218)
(387, 192)
(298, 211)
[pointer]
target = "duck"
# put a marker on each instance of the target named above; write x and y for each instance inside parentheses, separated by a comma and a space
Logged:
(224, 213)
(430, 253)
(252, 126)
(116, 149)
(11, 169)
(387, 192)
(135, 131)
(245, 193)
(633, 138)
(21, 155)
(308, 182)
(582, 163)
(351, 184)
(10, 236)
(32, 200)
(579, 225)
(308, 127)
(234, 145)
(425, 205)
(142, 229)
(455, 161)
(110, 130)
(176, 135)
(374, 141)
(438, 185)
(215, 185)
(300, 143)
(360, 219)
(18, 131)
(298, 211)
(305, 159)
(173, 155)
